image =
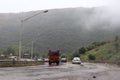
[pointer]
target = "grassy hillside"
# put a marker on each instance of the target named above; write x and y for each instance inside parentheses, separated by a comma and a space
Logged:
(107, 52)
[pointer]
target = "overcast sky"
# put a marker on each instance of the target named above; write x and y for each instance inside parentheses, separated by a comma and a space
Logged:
(29, 5)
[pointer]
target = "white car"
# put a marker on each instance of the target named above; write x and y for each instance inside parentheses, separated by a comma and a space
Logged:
(76, 60)
(63, 59)
(46, 60)
(39, 59)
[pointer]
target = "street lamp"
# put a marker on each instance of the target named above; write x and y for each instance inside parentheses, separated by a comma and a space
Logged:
(32, 50)
(20, 40)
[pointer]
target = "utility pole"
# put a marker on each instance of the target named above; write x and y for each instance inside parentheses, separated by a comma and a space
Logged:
(32, 50)
(21, 31)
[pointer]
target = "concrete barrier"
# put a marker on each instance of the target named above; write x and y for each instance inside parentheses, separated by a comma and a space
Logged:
(20, 63)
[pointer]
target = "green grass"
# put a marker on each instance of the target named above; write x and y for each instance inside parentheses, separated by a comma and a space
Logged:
(104, 52)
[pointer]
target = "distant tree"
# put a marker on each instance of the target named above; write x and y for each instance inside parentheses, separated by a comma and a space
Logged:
(63, 56)
(90, 47)
(9, 51)
(76, 55)
(82, 50)
(96, 43)
(44, 56)
(116, 38)
(116, 43)
(103, 42)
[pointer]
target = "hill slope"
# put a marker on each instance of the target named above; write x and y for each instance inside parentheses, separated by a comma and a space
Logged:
(66, 29)
(107, 52)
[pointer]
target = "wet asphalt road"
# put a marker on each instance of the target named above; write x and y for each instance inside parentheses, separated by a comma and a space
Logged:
(65, 71)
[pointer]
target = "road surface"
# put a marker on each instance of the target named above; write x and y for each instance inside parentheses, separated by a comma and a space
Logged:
(66, 71)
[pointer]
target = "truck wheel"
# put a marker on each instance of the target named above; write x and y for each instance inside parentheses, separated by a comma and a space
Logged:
(50, 63)
(57, 63)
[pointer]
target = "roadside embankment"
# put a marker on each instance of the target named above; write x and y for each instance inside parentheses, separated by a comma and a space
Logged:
(108, 62)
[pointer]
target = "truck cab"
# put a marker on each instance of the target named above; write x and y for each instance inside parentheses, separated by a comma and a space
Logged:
(54, 57)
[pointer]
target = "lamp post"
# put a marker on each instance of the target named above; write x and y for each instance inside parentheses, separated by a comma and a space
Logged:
(32, 50)
(21, 31)
(20, 40)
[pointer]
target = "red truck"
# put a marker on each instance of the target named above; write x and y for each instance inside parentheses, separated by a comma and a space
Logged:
(54, 57)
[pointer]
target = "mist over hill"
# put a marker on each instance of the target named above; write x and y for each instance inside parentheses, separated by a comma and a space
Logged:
(64, 29)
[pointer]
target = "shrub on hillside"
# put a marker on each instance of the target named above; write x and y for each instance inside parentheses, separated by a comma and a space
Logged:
(91, 57)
